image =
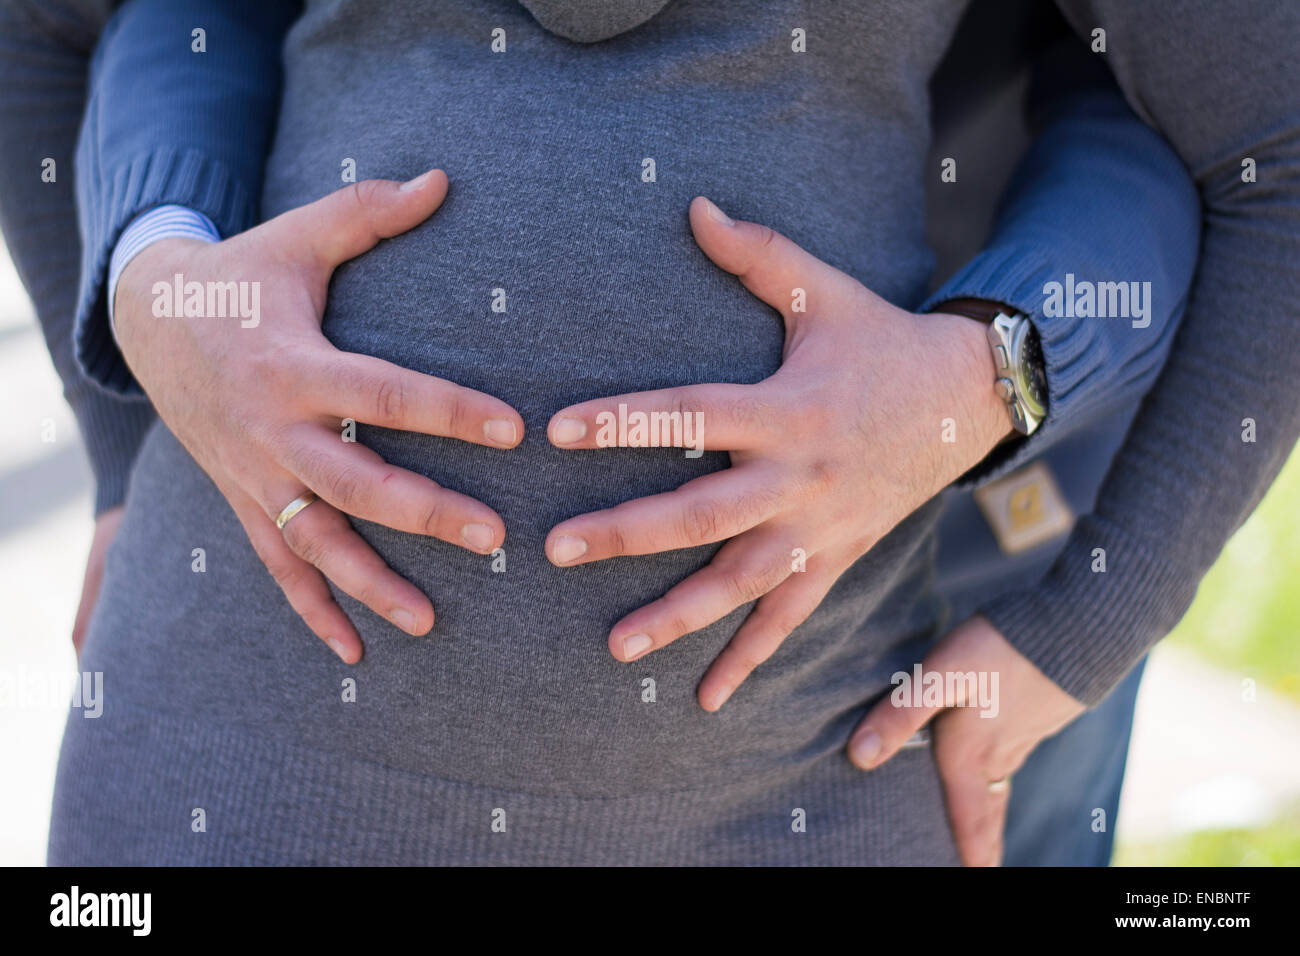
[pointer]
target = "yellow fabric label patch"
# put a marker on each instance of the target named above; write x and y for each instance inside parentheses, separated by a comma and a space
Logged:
(1025, 508)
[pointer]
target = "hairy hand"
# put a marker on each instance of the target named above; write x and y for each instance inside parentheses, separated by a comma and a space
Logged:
(260, 405)
(873, 411)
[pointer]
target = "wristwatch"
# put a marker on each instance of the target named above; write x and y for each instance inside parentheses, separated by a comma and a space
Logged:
(1017, 355)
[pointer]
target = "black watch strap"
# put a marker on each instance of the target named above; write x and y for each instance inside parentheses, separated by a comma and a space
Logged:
(982, 310)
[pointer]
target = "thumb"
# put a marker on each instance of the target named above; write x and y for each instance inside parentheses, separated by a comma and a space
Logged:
(774, 268)
(889, 724)
(352, 220)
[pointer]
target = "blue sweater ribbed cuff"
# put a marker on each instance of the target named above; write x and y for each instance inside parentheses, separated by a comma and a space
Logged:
(112, 429)
(161, 177)
(1073, 353)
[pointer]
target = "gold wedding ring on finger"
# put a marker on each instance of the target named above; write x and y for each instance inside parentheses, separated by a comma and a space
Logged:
(293, 507)
(1000, 786)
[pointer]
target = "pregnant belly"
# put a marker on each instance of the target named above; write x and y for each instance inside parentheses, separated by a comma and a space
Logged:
(515, 687)
(603, 292)
(517, 672)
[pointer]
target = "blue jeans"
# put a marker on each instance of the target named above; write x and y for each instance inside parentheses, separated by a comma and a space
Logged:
(1055, 795)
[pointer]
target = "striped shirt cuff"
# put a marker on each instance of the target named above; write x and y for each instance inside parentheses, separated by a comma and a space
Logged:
(161, 222)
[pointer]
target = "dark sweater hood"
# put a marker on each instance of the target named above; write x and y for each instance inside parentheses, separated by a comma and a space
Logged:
(589, 21)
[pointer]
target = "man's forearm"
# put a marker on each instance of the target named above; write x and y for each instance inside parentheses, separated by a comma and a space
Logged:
(1099, 197)
(44, 52)
(1216, 429)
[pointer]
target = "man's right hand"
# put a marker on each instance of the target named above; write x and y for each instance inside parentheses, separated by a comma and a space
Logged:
(261, 408)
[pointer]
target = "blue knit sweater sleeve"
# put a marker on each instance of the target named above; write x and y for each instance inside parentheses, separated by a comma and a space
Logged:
(1220, 82)
(1098, 198)
(183, 99)
(45, 51)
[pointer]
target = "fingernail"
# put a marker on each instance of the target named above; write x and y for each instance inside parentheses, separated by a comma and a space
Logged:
(568, 548)
(337, 648)
(478, 537)
(635, 645)
(718, 697)
(568, 430)
(716, 214)
(403, 619)
(415, 183)
(500, 431)
(865, 748)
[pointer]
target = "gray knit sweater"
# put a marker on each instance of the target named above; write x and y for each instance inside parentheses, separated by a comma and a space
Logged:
(512, 734)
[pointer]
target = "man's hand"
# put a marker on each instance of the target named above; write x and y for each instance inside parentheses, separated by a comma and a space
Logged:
(106, 524)
(261, 408)
(873, 411)
(977, 744)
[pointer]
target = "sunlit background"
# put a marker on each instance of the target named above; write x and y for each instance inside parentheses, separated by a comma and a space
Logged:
(1214, 776)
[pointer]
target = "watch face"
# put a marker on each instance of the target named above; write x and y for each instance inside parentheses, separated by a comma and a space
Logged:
(1031, 369)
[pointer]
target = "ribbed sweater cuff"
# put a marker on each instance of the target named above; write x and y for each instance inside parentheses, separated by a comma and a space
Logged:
(1085, 631)
(1015, 274)
(163, 176)
(112, 428)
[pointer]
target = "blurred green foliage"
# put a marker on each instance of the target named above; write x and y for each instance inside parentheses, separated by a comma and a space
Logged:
(1277, 844)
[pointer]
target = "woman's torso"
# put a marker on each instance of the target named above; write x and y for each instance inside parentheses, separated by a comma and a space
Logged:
(605, 292)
